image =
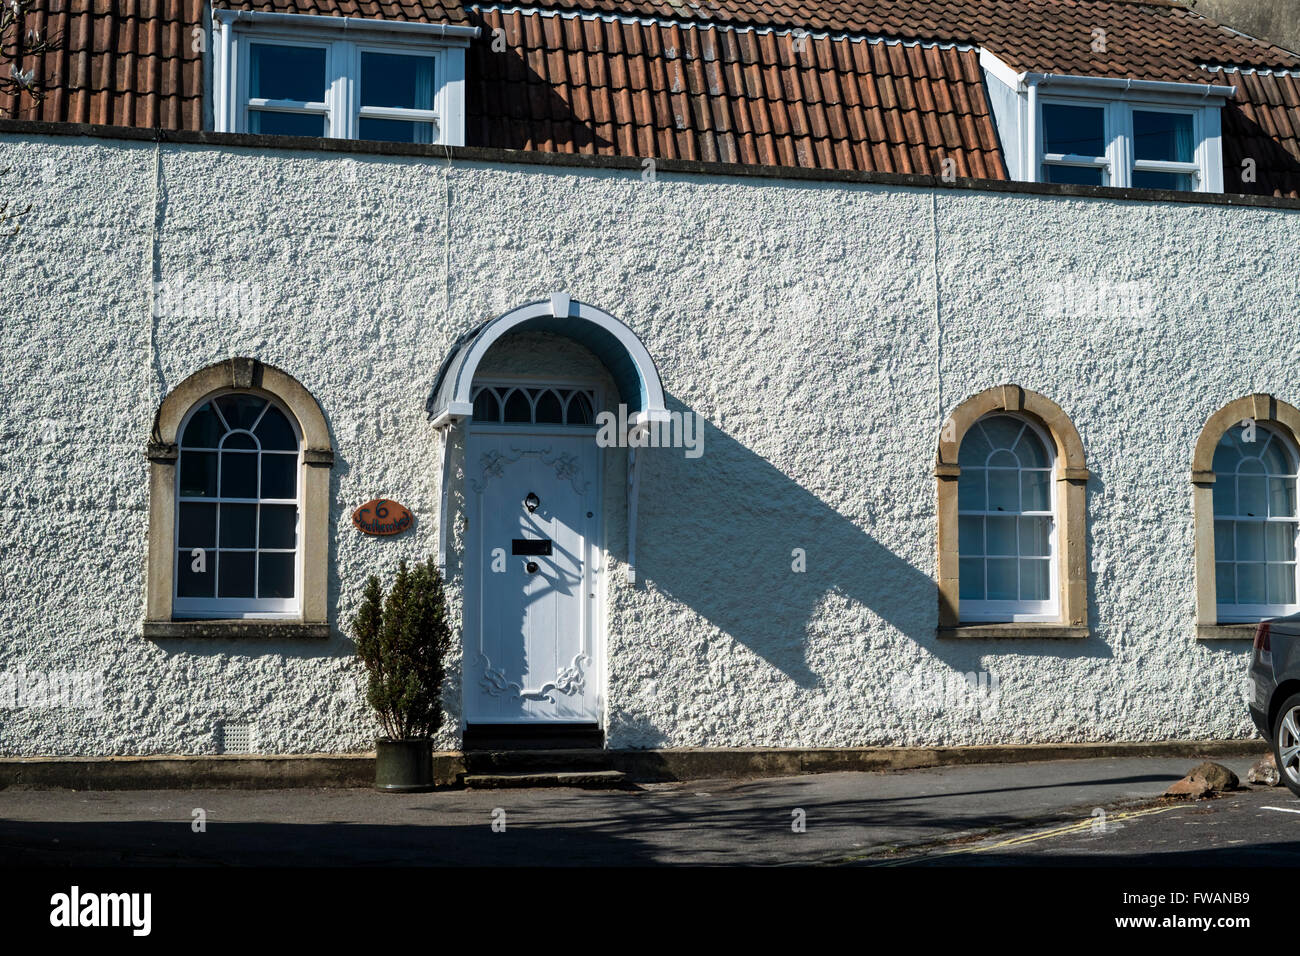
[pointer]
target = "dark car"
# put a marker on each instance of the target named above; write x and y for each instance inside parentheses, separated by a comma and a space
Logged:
(1274, 692)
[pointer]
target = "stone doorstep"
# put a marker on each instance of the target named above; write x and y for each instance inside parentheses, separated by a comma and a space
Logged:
(585, 779)
(286, 771)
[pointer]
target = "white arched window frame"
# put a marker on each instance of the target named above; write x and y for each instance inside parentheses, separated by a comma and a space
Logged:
(262, 532)
(535, 402)
(1255, 524)
(1007, 522)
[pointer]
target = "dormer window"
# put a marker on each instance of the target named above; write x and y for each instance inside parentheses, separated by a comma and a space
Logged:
(297, 75)
(1107, 131)
(1164, 150)
(1074, 144)
(1122, 143)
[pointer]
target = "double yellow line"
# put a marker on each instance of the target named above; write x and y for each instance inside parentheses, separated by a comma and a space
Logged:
(1083, 826)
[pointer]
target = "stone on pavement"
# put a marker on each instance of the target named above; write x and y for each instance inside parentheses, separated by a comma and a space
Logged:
(1264, 772)
(1204, 779)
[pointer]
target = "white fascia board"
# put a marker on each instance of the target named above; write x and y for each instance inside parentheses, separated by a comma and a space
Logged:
(447, 32)
(455, 411)
(999, 67)
(1114, 85)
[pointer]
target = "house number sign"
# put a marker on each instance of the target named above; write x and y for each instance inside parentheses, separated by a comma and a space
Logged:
(381, 516)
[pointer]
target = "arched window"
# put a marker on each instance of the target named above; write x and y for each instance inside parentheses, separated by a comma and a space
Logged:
(239, 505)
(1012, 496)
(524, 405)
(237, 501)
(1251, 484)
(1006, 527)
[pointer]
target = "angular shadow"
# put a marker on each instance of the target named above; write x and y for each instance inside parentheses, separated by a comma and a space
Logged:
(1277, 171)
(718, 534)
(511, 106)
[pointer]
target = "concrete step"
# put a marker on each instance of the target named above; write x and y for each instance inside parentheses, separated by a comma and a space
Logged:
(586, 779)
(521, 761)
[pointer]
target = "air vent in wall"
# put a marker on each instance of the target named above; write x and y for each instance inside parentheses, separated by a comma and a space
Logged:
(237, 738)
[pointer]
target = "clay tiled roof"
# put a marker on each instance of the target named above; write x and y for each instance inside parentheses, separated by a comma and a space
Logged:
(1147, 39)
(1262, 123)
(416, 11)
(616, 87)
(117, 62)
(881, 85)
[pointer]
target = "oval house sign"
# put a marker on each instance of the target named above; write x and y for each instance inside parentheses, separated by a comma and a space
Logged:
(381, 516)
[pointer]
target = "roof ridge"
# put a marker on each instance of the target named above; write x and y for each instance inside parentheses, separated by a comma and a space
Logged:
(778, 29)
(1241, 33)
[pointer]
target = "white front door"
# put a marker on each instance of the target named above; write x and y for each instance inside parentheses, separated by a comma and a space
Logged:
(533, 508)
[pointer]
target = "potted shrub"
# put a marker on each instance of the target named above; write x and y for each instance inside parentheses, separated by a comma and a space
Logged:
(403, 639)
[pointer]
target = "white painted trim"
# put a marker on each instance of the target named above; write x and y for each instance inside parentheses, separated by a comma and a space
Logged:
(219, 608)
(461, 403)
(1112, 86)
(1219, 68)
(633, 493)
(448, 32)
(444, 492)
(1029, 163)
(344, 40)
(559, 305)
(1018, 611)
(1207, 169)
(1001, 69)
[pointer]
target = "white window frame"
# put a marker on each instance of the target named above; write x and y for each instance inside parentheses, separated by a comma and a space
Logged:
(345, 39)
(220, 608)
(505, 384)
(1106, 162)
(1003, 611)
(325, 108)
(1017, 97)
(1251, 613)
(1118, 164)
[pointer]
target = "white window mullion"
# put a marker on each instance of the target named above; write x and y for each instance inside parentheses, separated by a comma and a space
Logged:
(1119, 136)
(1209, 149)
(341, 106)
(450, 74)
(349, 89)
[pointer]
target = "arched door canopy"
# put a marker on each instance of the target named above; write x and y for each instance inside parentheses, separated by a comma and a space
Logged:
(611, 341)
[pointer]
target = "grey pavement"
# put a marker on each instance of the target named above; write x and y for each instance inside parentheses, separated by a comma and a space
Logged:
(1256, 828)
(850, 817)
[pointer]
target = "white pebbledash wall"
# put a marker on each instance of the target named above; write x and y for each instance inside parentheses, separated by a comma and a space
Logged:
(823, 330)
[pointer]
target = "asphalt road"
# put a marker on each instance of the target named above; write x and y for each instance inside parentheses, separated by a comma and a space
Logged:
(906, 818)
(1255, 828)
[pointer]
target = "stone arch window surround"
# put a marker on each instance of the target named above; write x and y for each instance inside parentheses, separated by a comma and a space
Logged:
(250, 375)
(1264, 410)
(1071, 477)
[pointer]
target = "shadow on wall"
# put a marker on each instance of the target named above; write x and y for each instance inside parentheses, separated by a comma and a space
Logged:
(717, 534)
(1277, 171)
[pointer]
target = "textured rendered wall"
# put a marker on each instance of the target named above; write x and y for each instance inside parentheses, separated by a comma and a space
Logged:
(821, 330)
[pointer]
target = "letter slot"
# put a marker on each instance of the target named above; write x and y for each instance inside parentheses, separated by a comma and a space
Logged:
(531, 547)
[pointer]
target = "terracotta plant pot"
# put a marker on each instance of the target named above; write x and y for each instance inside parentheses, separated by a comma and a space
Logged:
(403, 766)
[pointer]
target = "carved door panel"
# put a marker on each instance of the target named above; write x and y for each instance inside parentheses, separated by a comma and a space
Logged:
(532, 502)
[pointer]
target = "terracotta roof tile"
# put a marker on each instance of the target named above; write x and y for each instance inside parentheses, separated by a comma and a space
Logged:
(830, 83)
(1261, 141)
